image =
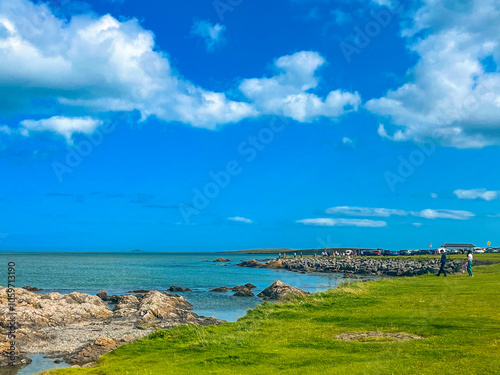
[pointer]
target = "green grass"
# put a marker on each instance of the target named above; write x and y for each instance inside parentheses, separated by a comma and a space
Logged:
(459, 318)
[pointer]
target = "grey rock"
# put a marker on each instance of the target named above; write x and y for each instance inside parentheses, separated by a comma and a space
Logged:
(222, 260)
(244, 293)
(178, 289)
(222, 289)
(279, 290)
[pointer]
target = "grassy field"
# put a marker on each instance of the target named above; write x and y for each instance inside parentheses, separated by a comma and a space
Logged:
(457, 317)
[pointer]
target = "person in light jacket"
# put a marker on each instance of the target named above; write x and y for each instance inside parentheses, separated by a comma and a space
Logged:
(469, 264)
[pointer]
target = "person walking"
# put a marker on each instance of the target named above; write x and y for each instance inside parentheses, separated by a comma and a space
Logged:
(443, 263)
(469, 264)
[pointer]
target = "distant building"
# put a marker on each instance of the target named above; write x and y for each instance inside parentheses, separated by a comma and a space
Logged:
(459, 246)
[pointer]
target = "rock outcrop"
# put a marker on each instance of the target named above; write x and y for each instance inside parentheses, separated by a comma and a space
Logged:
(250, 263)
(80, 327)
(32, 288)
(272, 264)
(92, 351)
(239, 287)
(279, 291)
(175, 288)
(114, 299)
(139, 291)
(221, 289)
(158, 306)
(221, 260)
(19, 359)
(52, 309)
(244, 292)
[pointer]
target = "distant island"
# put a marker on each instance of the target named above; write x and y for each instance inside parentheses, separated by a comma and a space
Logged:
(137, 251)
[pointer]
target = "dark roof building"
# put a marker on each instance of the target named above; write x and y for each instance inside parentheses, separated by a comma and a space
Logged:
(458, 245)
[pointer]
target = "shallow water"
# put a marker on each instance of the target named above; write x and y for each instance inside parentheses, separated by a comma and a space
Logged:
(118, 273)
(40, 364)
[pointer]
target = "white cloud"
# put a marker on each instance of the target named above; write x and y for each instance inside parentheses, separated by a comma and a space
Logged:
(451, 95)
(240, 219)
(417, 225)
(387, 212)
(288, 91)
(98, 64)
(347, 141)
(65, 126)
(434, 195)
(5, 129)
(343, 222)
(487, 195)
(212, 35)
(365, 211)
(444, 214)
(92, 65)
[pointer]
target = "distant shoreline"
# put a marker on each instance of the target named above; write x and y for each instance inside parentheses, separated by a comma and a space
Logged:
(291, 251)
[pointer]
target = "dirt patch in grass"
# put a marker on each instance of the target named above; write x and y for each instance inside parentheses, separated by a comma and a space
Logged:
(376, 336)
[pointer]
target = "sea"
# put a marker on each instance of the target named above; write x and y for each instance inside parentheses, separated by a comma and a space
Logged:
(121, 272)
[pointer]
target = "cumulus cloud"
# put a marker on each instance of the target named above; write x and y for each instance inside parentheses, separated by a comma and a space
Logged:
(343, 222)
(443, 214)
(288, 91)
(98, 64)
(487, 195)
(453, 92)
(64, 126)
(365, 211)
(240, 219)
(94, 65)
(212, 35)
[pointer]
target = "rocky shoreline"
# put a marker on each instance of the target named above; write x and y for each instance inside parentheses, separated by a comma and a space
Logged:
(79, 327)
(369, 266)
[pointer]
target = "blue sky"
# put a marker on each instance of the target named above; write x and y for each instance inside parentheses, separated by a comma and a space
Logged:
(224, 125)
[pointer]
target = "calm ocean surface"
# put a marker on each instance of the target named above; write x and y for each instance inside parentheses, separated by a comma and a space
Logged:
(117, 273)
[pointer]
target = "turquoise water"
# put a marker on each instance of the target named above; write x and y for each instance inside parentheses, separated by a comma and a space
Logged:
(40, 364)
(117, 273)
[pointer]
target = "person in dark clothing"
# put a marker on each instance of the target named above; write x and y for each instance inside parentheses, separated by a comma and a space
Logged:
(443, 263)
